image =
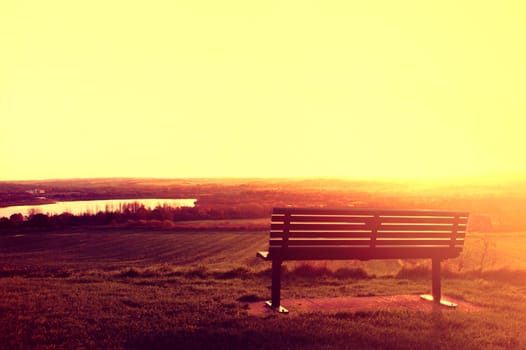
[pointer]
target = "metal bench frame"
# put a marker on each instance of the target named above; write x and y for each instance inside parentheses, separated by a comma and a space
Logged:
(364, 234)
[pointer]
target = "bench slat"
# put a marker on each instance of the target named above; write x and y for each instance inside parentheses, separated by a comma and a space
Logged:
(363, 253)
(426, 220)
(335, 219)
(353, 227)
(366, 234)
(366, 241)
(415, 227)
(319, 227)
(369, 219)
(417, 234)
(371, 212)
(321, 243)
(335, 234)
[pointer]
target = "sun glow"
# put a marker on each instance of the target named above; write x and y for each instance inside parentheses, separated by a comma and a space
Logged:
(233, 88)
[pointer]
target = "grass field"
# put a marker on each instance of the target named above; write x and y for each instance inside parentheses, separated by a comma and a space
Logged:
(189, 290)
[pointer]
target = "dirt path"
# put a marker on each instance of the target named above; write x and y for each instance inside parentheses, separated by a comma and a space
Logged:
(353, 304)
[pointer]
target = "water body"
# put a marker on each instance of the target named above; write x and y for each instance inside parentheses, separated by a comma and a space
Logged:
(81, 207)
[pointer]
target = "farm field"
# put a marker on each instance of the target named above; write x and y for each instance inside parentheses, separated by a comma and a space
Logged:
(189, 290)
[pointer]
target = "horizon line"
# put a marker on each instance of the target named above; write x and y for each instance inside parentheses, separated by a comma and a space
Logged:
(508, 175)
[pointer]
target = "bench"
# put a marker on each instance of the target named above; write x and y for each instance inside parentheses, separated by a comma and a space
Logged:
(364, 234)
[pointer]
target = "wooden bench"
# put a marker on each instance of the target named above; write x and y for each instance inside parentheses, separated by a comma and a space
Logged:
(364, 234)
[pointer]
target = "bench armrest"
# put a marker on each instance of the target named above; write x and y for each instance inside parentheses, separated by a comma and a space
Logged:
(263, 255)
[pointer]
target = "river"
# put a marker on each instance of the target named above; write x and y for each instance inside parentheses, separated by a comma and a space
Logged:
(80, 207)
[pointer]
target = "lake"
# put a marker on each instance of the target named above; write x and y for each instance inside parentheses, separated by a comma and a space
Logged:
(80, 207)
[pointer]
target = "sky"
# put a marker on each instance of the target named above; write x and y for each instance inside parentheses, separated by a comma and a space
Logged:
(173, 89)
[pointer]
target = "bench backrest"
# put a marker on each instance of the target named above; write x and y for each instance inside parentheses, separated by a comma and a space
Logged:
(312, 233)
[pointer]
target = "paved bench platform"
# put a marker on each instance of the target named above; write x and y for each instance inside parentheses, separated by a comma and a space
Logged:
(355, 304)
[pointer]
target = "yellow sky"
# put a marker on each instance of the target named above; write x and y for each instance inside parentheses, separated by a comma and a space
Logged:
(271, 88)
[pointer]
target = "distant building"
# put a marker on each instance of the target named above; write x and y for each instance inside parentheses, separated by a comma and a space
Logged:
(36, 191)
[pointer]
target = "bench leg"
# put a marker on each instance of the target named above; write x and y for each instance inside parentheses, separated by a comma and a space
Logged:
(274, 304)
(436, 294)
(436, 283)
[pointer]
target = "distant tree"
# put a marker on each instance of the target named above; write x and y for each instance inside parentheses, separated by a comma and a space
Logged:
(162, 213)
(66, 219)
(99, 219)
(39, 220)
(141, 213)
(4, 223)
(16, 219)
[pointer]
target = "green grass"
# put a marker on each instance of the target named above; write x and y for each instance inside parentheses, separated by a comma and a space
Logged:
(140, 290)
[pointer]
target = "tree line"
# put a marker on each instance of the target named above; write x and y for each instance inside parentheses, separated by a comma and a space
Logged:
(130, 213)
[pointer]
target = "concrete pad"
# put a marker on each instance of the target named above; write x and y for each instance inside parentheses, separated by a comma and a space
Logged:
(353, 304)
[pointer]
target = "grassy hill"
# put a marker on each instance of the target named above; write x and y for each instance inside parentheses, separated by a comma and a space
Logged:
(189, 290)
